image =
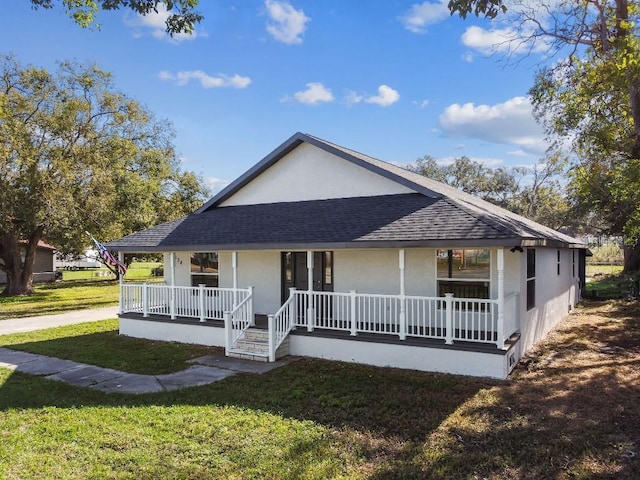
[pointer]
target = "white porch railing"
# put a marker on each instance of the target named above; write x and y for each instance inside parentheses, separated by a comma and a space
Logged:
(281, 323)
(238, 320)
(448, 318)
(200, 302)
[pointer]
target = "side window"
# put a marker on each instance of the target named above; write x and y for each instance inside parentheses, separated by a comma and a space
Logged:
(531, 278)
(558, 263)
(465, 272)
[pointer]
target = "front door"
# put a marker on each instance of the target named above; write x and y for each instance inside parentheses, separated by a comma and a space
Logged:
(295, 274)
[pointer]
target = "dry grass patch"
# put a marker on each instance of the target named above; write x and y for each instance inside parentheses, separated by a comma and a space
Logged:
(570, 410)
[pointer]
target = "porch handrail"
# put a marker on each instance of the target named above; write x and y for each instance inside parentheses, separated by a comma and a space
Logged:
(238, 320)
(281, 323)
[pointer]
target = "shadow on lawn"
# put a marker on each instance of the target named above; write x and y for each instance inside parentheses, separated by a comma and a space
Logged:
(572, 408)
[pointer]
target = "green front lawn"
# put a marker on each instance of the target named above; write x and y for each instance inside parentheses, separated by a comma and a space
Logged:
(60, 297)
(570, 411)
(98, 343)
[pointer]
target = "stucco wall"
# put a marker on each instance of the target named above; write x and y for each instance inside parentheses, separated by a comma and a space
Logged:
(555, 294)
(309, 173)
(261, 269)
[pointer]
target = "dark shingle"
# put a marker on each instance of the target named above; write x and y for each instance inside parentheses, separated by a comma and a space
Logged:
(359, 220)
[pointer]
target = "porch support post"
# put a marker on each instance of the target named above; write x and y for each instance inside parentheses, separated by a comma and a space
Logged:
(227, 332)
(448, 318)
(310, 301)
(272, 332)
(403, 302)
(353, 313)
(294, 307)
(145, 299)
(121, 281)
(201, 294)
(172, 295)
(234, 268)
(500, 326)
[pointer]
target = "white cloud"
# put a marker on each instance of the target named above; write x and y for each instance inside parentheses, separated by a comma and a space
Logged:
(314, 94)
(182, 78)
(353, 98)
(468, 57)
(386, 96)
(287, 24)
(155, 24)
(215, 184)
(422, 104)
(518, 153)
(422, 14)
(487, 161)
(509, 123)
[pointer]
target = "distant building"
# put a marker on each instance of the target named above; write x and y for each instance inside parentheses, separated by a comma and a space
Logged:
(43, 270)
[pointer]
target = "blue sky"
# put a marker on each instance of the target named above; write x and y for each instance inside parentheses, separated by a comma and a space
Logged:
(392, 79)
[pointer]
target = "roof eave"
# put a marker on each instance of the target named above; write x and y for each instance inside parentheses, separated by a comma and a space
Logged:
(287, 246)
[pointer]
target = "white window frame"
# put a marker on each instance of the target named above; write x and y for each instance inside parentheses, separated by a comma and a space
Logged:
(463, 280)
(204, 274)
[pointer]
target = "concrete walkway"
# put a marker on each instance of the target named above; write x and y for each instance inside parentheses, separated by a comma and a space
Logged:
(28, 324)
(208, 369)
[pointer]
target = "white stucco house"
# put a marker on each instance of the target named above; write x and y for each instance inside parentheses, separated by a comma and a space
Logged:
(322, 251)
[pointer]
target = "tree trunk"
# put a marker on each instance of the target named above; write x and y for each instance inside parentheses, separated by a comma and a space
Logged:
(19, 274)
(631, 258)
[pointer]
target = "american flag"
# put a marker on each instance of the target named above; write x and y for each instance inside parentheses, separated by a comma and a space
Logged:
(108, 257)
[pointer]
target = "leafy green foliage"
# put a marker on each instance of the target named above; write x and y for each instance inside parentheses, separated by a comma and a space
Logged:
(589, 102)
(487, 8)
(182, 14)
(77, 155)
(535, 193)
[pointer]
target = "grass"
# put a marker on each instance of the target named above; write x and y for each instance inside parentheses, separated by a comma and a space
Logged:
(597, 270)
(570, 410)
(60, 297)
(78, 290)
(98, 343)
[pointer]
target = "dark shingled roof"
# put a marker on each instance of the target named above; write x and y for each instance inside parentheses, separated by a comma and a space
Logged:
(437, 215)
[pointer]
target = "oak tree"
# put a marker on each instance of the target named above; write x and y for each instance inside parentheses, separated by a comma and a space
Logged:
(588, 100)
(76, 155)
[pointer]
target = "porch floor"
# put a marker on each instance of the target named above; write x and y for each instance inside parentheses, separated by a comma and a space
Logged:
(261, 323)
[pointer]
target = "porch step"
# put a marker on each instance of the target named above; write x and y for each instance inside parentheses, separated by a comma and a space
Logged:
(252, 345)
(256, 334)
(248, 355)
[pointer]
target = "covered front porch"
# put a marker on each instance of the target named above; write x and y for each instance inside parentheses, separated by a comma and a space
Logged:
(444, 321)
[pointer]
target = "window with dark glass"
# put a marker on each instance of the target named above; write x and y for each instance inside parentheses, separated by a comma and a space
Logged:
(204, 269)
(464, 272)
(558, 263)
(531, 278)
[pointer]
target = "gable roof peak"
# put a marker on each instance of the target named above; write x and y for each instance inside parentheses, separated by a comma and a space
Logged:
(374, 165)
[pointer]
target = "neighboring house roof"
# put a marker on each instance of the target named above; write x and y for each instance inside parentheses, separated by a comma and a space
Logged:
(436, 215)
(41, 245)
